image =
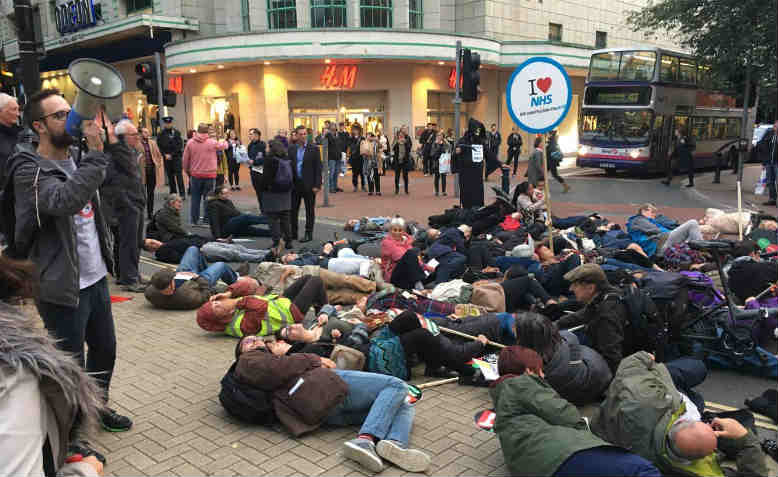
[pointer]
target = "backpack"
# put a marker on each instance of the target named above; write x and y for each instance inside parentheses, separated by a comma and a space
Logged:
(283, 179)
(702, 291)
(645, 328)
(386, 355)
(246, 403)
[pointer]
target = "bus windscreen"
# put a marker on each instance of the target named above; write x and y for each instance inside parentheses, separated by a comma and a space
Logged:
(618, 96)
(616, 127)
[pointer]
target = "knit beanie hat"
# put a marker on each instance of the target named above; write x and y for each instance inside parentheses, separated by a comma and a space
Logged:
(205, 313)
(517, 359)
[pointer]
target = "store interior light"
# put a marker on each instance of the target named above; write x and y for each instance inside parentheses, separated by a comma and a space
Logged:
(221, 67)
(441, 63)
(192, 70)
(267, 63)
(328, 61)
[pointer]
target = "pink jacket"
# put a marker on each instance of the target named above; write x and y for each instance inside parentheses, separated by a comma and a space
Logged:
(391, 253)
(200, 156)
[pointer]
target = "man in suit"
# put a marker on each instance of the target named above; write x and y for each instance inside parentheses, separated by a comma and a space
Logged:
(306, 167)
(768, 151)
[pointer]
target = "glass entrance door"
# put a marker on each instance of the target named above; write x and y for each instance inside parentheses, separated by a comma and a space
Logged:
(315, 122)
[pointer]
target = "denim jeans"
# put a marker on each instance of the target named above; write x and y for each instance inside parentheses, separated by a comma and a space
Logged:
(231, 252)
(606, 461)
(91, 322)
(377, 402)
(688, 373)
(243, 224)
(347, 262)
(611, 264)
(193, 261)
(772, 179)
(334, 172)
(450, 265)
(200, 189)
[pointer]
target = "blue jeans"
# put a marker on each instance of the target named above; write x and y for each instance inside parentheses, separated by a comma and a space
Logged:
(772, 178)
(567, 222)
(688, 373)
(606, 461)
(193, 261)
(200, 190)
(611, 264)
(243, 224)
(334, 171)
(377, 402)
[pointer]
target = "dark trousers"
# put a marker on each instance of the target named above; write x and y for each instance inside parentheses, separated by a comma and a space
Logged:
(478, 257)
(397, 172)
(440, 178)
(200, 189)
(256, 182)
(90, 322)
(513, 156)
(772, 179)
(243, 224)
(427, 163)
(303, 194)
(356, 173)
(523, 291)
(305, 292)
(415, 339)
(279, 226)
(552, 168)
(373, 180)
(234, 171)
(450, 266)
(151, 184)
(175, 178)
(553, 279)
(688, 373)
(127, 235)
(408, 271)
(606, 461)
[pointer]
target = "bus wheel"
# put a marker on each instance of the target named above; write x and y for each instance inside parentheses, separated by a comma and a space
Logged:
(732, 159)
(610, 172)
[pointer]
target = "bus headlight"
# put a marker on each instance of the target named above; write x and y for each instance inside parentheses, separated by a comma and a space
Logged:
(582, 150)
(634, 153)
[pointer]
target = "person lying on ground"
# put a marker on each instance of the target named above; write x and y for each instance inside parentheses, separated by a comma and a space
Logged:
(309, 392)
(341, 289)
(213, 251)
(653, 237)
(606, 329)
(522, 290)
(400, 262)
(246, 309)
(45, 396)
(646, 411)
(450, 251)
(542, 434)
(336, 259)
(192, 283)
(226, 220)
(550, 274)
(367, 224)
(580, 383)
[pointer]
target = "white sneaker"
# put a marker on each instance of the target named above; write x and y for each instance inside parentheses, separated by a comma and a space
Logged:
(364, 452)
(410, 460)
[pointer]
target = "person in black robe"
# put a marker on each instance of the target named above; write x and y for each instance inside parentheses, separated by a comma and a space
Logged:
(468, 162)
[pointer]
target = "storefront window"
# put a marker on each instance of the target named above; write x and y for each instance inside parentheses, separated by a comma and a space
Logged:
(135, 5)
(281, 14)
(375, 13)
(313, 108)
(221, 112)
(440, 110)
(328, 13)
(416, 11)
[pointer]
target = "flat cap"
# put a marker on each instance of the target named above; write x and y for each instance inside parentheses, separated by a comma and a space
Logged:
(167, 119)
(588, 272)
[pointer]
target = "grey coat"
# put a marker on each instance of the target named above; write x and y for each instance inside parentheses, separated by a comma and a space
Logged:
(535, 167)
(578, 373)
(45, 201)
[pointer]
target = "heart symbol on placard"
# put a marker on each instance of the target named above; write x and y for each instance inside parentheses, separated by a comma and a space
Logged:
(544, 84)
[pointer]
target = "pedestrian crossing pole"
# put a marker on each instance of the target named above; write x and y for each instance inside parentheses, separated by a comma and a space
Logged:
(457, 104)
(324, 154)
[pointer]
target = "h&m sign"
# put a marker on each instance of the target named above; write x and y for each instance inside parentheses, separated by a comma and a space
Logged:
(74, 15)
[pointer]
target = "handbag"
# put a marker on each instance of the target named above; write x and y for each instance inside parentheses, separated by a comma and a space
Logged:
(241, 154)
(444, 164)
(761, 185)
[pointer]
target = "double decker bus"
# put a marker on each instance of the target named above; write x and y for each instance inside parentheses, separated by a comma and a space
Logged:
(634, 101)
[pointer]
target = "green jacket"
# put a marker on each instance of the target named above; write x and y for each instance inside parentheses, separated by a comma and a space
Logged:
(538, 430)
(169, 225)
(641, 406)
(189, 296)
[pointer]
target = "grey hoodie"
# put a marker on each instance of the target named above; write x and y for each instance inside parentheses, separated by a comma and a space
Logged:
(44, 393)
(45, 201)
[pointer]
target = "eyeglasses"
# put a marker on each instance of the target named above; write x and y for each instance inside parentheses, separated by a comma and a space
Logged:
(59, 115)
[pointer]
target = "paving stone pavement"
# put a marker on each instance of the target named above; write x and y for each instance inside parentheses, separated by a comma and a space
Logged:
(167, 380)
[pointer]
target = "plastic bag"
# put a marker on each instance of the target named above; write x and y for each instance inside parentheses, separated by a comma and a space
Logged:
(241, 154)
(444, 166)
(761, 184)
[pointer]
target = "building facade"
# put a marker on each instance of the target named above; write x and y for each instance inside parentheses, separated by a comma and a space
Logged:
(274, 64)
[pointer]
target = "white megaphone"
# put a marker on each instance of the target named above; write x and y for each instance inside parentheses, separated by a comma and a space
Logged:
(99, 85)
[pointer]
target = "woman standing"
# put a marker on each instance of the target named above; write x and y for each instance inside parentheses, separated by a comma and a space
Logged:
(369, 151)
(440, 147)
(383, 152)
(402, 161)
(555, 156)
(256, 151)
(535, 166)
(233, 166)
(277, 194)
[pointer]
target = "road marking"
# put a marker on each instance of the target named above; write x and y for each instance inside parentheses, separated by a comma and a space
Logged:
(155, 263)
(760, 420)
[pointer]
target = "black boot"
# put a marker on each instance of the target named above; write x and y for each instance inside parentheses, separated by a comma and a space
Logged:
(440, 372)
(308, 237)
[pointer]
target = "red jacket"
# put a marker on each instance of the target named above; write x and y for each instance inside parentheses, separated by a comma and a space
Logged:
(391, 253)
(200, 156)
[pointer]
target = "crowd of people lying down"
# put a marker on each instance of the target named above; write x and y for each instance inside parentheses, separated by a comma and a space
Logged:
(331, 336)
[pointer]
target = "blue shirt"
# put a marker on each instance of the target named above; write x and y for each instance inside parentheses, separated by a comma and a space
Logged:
(300, 154)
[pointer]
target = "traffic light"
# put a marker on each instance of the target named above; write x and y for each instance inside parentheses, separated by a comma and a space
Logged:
(471, 78)
(147, 81)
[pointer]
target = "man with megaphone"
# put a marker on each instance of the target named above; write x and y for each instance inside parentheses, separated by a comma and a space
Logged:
(60, 226)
